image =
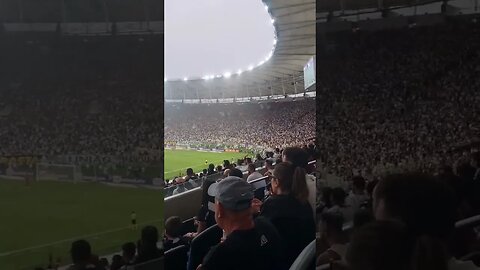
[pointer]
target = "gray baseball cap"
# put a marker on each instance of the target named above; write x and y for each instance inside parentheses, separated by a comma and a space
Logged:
(234, 193)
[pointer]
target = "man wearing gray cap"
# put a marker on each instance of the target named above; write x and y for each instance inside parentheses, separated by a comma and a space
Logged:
(247, 243)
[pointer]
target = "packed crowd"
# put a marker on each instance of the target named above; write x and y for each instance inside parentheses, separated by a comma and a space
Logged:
(145, 252)
(107, 120)
(72, 95)
(398, 100)
(258, 225)
(398, 126)
(401, 221)
(265, 125)
(247, 166)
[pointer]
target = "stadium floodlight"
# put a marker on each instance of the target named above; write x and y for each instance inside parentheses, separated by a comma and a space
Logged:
(239, 71)
(250, 67)
(273, 21)
(274, 41)
(261, 63)
(266, 7)
(185, 79)
(219, 76)
(227, 74)
(206, 78)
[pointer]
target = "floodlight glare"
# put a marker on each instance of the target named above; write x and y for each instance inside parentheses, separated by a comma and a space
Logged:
(185, 79)
(227, 74)
(273, 21)
(239, 72)
(261, 63)
(250, 67)
(274, 41)
(266, 7)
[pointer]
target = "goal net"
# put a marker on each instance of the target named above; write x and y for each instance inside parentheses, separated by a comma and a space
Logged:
(56, 172)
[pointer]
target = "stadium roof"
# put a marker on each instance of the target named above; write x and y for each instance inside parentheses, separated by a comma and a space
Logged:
(53, 11)
(282, 74)
(338, 5)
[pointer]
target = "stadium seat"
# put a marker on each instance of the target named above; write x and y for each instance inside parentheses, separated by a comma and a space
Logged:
(201, 245)
(306, 259)
(177, 258)
(188, 226)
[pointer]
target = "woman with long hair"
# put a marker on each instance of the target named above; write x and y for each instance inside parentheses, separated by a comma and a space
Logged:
(288, 208)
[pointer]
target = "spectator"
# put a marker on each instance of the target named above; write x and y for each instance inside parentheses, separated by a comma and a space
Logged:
(148, 249)
(252, 173)
(299, 157)
(235, 172)
(173, 233)
(357, 196)
(288, 208)
(82, 257)
(128, 253)
(334, 237)
(426, 206)
(117, 262)
(241, 234)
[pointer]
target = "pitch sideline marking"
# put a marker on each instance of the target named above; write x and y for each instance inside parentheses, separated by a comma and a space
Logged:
(8, 253)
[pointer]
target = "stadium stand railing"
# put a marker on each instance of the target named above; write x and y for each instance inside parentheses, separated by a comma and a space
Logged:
(201, 245)
(177, 258)
(306, 259)
(157, 264)
(183, 187)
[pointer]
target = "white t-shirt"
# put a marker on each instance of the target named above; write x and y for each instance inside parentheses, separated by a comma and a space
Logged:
(455, 264)
(254, 176)
(355, 200)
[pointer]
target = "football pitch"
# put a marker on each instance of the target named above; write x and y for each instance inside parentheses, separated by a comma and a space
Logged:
(177, 161)
(41, 221)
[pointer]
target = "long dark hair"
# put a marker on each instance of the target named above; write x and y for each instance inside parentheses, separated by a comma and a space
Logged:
(291, 179)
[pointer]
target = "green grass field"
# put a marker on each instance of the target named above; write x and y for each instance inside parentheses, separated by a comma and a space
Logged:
(177, 161)
(47, 216)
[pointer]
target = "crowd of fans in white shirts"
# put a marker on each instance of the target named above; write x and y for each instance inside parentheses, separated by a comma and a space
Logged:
(398, 128)
(397, 100)
(264, 125)
(78, 121)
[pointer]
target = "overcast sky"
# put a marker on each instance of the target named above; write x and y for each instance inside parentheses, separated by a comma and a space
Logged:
(204, 37)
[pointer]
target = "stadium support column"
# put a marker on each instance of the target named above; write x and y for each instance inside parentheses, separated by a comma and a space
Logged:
(283, 86)
(342, 5)
(20, 10)
(380, 4)
(107, 17)
(64, 12)
(294, 84)
(271, 88)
